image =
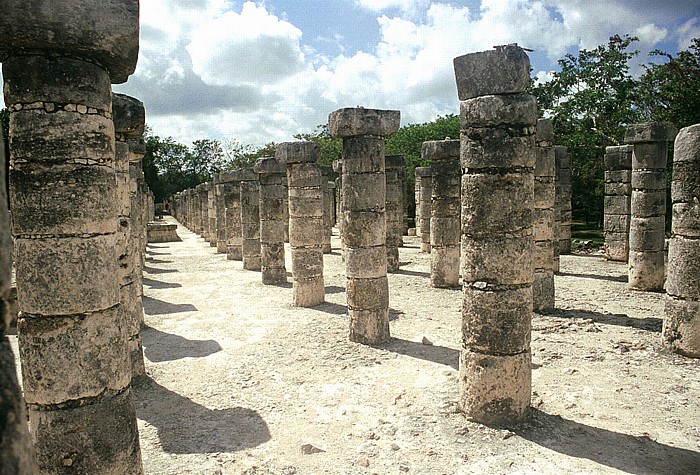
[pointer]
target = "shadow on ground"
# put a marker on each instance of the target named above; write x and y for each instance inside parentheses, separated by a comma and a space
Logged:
(154, 270)
(639, 455)
(185, 427)
(157, 284)
(620, 319)
(161, 346)
(437, 354)
(612, 278)
(153, 306)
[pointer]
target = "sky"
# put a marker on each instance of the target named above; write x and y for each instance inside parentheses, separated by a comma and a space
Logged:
(263, 71)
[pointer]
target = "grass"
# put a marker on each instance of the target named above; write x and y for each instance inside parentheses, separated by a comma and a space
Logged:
(587, 231)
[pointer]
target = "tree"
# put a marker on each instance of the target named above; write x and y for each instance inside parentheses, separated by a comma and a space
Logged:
(331, 147)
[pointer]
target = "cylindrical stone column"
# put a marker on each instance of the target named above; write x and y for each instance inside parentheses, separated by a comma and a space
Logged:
(543, 218)
(423, 206)
(327, 208)
(71, 330)
(16, 452)
(138, 229)
(648, 203)
(562, 159)
(211, 212)
(233, 216)
(250, 220)
(394, 210)
(273, 176)
(338, 168)
(220, 206)
(305, 220)
(129, 121)
(364, 198)
(618, 195)
(681, 332)
(445, 231)
(497, 158)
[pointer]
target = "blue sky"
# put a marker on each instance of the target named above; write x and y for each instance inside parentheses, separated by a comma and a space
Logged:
(262, 71)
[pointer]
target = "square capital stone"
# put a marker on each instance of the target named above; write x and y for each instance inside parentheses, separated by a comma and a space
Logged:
(303, 151)
(269, 166)
(503, 70)
(650, 132)
(424, 172)
(394, 161)
(545, 131)
(356, 121)
(128, 114)
(439, 149)
(105, 32)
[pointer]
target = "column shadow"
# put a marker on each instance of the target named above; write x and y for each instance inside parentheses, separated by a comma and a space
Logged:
(185, 427)
(412, 272)
(637, 455)
(611, 278)
(154, 270)
(436, 354)
(651, 324)
(157, 284)
(332, 308)
(153, 306)
(159, 346)
(157, 261)
(334, 289)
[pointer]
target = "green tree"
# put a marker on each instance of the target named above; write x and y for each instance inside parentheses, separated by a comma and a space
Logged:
(331, 147)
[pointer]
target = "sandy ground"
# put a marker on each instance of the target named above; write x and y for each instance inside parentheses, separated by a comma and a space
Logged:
(241, 382)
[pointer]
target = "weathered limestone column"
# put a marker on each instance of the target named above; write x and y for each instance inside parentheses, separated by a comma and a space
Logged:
(445, 230)
(416, 198)
(394, 211)
(364, 198)
(129, 122)
(273, 176)
(206, 211)
(58, 62)
(498, 156)
(648, 203)
(327, 208)
(211, 210)
(305, 220)
(16, 452)
(618, 196)
(404, 204)
(338, 168)
(543, 218)
(138, 228)
(220, 189)
(426, 196)
(562, 159)
(681, 332)
(250, 220)
(234, 232)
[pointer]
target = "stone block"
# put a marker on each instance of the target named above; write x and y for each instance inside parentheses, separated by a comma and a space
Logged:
(647, 234)
(646, 270)
(685, 187)
(440, 149)
(648, 203)
(129, 115)
(307, 262)
(545, 162)
(545, 131)
(616, 223)
(363, 155)
(364, 192)
(503, 70)
(303, 175)
(269, 165)
(650, 156)
(650, 132)
(618, 157)
(306, 232)
(357, 121)
(445, 231)
(395, 161)
(681, 329)
(543, 292)
(367, 294)
(496, 148)
(618, 189)
(364, 228)
(648, 180)
(444, 266)
(616, 247)
(498, 260)
(308, 292)
(513, 110)
(369, 327)
(687, 145)
(617, 204)
(686, 220)
(683, 272)
(618, 176)
(366, 262)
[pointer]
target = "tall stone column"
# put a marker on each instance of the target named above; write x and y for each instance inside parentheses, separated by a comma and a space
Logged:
(220, 189)
(138, 230)
(498, 157)
(338, 168)
(416, 199)
(618, 196)
(16, 452)
(404, 203)
(211, 210)
(562, 159)
(543, 218)
(445, 230)
(394, 210)
(250, 220)
(206, 211)
(58, 62)
(648, 203)
(234, 244)
(129, 121)
(305, 220)
(327, 208)
(364, 198)
(273, 176)
(426, 196)
(681, 332)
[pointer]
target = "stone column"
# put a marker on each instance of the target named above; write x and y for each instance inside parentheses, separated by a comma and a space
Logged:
(543, 218)
(681, 332)
(273, 176)
(445, 231)
(648, 203)
(129, 122)
(220, 189)
(16, 452)
(338, 168)
(250, 220)
(233, 216)
(58, 62)
(327, 208)
(206, 211)
(211, 210)
(404, 203)
(497, 158)
(364, 198)
(618, 195)
(306, 220)
(562, 159)
(394, 210)
(138, 229)
(426, 196)
(416, 198)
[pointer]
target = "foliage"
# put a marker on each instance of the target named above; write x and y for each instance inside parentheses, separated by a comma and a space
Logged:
(331, 148)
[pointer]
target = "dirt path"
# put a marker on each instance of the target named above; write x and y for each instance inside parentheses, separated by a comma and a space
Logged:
(240, 382)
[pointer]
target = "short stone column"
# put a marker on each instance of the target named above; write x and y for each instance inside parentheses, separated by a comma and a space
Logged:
(423, 207)
(232, 202)
(16, 452)
(445, 231)
(250, 220)
(394, 210)
(681, 331)
(416, 199)
(305, 220)
(273, 176)
(129, 122)
(220, 207)
(497, 158)
(543, 218)
(648, 203)
(364, 198)
(327, 208)
(618, 196)
(58, 65)
(562, 159)
(338, 168)
(211, 210)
